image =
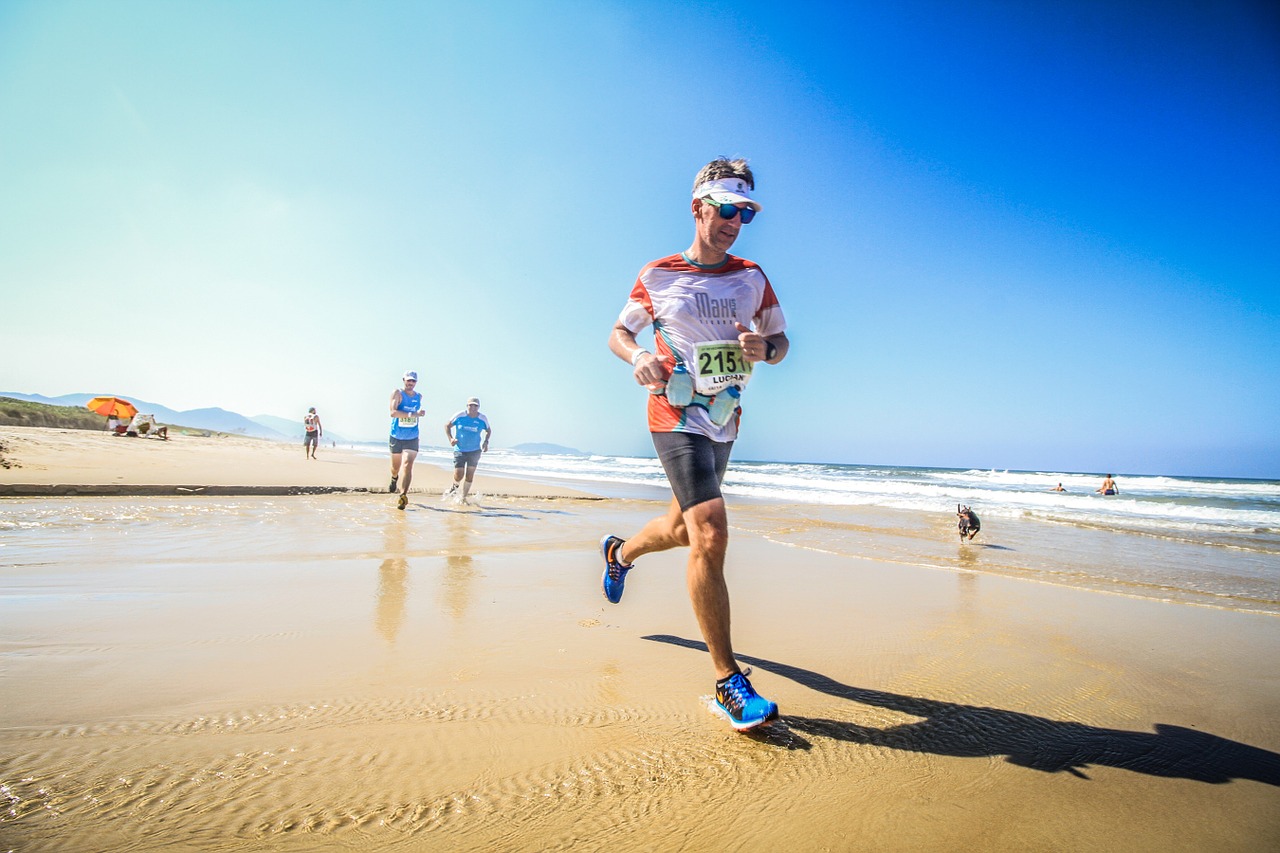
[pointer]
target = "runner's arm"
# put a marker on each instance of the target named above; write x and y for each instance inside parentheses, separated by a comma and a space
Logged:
(782, 345)
(648, 367)
(756, 346)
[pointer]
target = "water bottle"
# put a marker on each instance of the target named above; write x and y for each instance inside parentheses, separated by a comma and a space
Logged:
(680, 386)
(723, 405)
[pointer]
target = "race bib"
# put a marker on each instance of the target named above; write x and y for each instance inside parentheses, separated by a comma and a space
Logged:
(408, 422)
(719, 364)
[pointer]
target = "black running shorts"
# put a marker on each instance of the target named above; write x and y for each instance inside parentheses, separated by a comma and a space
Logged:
(400, 445)
(695, 465)
(466, 458)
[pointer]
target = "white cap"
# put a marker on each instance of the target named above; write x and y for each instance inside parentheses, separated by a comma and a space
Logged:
(728, 191)
(410, 374)
(474, 401)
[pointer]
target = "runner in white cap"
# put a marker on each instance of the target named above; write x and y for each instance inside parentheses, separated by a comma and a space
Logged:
(406, 408)
(715, 317)
(463, 431)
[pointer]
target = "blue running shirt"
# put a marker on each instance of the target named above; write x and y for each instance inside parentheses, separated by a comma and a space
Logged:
(467, 431)
(406, 427)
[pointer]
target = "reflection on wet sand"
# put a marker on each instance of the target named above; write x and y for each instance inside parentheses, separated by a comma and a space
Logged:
(393, 581)
(459, 571)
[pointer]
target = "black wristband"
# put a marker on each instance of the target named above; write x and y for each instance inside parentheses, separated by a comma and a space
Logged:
(769, 350)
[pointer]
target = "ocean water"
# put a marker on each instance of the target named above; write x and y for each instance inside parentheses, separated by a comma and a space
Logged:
(1241, 513)
(1211, 541)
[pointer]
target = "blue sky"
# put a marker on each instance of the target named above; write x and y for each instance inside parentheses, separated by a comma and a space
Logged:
(1005, 235)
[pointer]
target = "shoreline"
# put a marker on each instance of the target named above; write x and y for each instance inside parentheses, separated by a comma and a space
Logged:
(63, 490)
(48, 462)
(1173, 566)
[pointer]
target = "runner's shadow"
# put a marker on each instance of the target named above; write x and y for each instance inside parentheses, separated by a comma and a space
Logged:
(1051, 746)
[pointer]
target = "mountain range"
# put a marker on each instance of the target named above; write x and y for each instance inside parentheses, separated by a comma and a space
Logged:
(270, 427)
(219, 420)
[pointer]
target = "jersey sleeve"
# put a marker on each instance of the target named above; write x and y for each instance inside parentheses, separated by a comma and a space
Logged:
(769, 319)
(637, 314)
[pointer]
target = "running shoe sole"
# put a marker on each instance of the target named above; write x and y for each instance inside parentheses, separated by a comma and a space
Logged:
(746, 725)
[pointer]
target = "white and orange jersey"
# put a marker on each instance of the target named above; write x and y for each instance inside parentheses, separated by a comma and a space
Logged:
(690, 310)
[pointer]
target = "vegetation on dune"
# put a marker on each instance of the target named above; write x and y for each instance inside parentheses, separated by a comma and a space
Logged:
(21, 413)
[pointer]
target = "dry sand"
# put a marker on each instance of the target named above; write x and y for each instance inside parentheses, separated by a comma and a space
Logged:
(322, 672)
(68, 461)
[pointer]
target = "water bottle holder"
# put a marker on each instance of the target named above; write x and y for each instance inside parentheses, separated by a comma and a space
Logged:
(680, 393)
(718, 415)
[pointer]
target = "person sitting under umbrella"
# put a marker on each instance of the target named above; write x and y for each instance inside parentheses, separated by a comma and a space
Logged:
(146, 425)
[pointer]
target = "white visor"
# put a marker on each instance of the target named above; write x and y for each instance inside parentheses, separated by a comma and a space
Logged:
(728, 191)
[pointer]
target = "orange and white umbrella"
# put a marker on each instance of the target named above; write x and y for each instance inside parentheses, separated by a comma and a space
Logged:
(112, 406)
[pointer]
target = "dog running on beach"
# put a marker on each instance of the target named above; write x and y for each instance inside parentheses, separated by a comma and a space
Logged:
(969, 523)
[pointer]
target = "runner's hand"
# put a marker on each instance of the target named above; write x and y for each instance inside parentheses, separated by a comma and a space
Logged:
(651, 369)
(753, 345)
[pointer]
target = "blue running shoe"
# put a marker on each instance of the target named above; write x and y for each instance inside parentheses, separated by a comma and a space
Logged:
(615, 573)
(744, 707)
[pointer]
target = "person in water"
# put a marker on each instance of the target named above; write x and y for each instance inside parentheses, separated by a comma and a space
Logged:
(1109, 487)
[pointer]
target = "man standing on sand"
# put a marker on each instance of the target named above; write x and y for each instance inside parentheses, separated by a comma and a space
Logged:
(463, 431)
(700, 303)
(406, 408)
(313, 432)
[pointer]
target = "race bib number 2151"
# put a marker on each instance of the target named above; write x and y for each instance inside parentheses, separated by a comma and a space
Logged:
(720, 364)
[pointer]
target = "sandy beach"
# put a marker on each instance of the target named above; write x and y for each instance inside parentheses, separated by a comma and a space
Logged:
(79, 462)
(321, 672)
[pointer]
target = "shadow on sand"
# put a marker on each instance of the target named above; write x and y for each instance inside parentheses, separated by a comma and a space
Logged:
(948, 728)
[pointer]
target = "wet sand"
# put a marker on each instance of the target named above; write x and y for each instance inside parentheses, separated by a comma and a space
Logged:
(323, 672)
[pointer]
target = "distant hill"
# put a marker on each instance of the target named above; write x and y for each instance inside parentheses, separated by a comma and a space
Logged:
(551, 449)
(294, 429)
(217, 420)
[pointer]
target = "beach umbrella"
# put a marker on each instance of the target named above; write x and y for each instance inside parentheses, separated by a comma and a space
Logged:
(112, 406)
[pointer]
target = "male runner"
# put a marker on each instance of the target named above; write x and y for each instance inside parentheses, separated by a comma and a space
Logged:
(700, 304)
(463, 431)
(406, 408)
(311, 423)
